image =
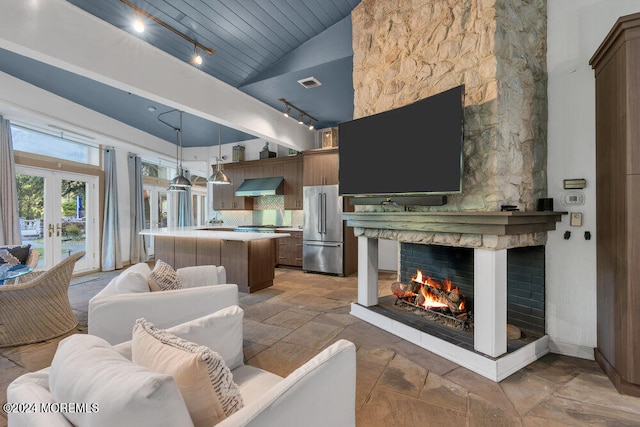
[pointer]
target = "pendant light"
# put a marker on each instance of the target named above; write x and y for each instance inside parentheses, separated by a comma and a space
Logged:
(180, 182)
(219, 177)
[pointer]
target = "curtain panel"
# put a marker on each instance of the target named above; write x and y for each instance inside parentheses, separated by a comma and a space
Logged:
(138, 246)
(9, 219)
(111, 252)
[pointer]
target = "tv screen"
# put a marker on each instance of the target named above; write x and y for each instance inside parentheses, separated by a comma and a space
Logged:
(411, 150)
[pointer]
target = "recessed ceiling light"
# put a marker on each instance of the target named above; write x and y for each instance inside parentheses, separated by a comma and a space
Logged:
(309, 82)
(151, 108)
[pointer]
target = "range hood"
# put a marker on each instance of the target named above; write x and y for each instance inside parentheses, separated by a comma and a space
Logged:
(261, 187)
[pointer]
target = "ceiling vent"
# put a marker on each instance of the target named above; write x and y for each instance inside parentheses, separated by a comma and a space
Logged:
(309, 82)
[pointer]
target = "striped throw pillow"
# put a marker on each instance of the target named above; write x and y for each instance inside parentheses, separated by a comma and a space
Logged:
(205, 382)
(163, 277)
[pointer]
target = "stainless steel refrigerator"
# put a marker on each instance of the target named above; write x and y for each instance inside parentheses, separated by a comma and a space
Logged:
(323, 231)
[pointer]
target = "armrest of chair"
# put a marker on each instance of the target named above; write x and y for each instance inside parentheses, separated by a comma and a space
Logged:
(112, 317)
(320, 393)
(33, 388)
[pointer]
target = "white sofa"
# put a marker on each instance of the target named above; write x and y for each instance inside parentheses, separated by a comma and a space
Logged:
(318, 394)
(114, 310)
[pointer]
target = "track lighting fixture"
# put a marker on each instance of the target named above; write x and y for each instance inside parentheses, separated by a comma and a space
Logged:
(138, 25)
(301, 114)
(197, 59)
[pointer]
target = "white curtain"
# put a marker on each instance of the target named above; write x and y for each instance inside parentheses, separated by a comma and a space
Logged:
(111, 253)
(181, 206)
(138, 246)
(9, 221)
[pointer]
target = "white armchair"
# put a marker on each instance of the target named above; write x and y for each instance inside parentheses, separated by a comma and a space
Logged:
(114, 310)
(318, 394)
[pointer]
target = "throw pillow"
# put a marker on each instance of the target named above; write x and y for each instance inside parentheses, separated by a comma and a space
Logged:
(163, 277)
(204, 380)
(14, 254)
(220, 331)
(88, 370)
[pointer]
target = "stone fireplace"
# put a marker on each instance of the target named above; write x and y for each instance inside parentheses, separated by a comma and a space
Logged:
(408, 50)
(489, 242)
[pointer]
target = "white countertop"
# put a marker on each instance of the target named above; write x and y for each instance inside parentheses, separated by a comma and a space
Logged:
(222, 235)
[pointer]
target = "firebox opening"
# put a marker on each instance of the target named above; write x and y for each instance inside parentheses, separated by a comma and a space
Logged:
(454, 267)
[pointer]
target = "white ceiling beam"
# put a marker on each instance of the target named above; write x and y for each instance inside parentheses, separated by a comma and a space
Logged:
(59, 34)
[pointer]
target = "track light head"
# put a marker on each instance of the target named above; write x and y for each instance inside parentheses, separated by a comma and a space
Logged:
(138, 23)
(197, 58)
(301, 119)
(287, 111)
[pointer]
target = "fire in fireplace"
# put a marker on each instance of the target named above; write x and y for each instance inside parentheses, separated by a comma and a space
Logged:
(438, 300)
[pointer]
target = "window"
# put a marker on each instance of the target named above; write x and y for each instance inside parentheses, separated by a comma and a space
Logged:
(60, 147)
(157, 170)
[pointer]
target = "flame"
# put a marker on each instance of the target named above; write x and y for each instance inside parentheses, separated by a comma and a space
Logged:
(430, 300)
(461, 307)
(418, 277)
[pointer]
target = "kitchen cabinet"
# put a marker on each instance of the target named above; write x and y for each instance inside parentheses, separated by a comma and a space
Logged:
(288, 167)
(239, 203)
(320, 166)
(292, 172)
(617, 87)
(289, 249)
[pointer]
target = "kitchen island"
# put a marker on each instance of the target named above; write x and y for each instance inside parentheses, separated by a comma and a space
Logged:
(248, 258)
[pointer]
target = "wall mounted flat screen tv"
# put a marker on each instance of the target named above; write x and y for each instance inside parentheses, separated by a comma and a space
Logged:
(412, 150)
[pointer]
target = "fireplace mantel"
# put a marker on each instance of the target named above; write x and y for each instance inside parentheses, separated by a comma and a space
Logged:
(493, 223)
(495, 230)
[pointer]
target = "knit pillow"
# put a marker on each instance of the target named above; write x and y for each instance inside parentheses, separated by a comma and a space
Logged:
(163, 277)
(14, 254)
(205, 382)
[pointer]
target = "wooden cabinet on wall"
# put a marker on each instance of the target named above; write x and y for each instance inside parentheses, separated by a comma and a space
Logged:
(289, 249)
(320, 166)
(292, 172)
(288, 167)
(617, 72)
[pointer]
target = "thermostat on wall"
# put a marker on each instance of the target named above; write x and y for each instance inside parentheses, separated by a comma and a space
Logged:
(572, 198)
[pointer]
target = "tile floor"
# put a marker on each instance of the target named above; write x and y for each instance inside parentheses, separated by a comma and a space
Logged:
(398, 383)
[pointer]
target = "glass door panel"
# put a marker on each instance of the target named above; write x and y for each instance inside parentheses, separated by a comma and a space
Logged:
(58, 214)
(31, 213)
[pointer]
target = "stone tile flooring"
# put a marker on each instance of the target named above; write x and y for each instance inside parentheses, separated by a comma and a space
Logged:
(398, 383)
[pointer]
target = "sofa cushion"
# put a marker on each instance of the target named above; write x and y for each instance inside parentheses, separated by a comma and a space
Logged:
(220, 331)
(204, 380)
(14, 254)
(86, 369)
(131, 282)
(163, 277)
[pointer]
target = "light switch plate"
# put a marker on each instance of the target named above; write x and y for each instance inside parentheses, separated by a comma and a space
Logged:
(576, 219)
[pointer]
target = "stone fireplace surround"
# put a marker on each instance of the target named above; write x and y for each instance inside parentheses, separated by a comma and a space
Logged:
(490, 234)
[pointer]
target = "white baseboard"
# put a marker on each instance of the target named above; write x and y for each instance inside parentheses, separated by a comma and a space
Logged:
(573, 350)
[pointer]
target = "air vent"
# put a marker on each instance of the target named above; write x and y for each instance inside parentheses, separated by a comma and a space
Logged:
(309, 82)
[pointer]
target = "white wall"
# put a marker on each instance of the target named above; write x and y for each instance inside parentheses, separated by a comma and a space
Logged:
(575, 30)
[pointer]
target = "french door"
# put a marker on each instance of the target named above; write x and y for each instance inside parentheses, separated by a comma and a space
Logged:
(59, 215)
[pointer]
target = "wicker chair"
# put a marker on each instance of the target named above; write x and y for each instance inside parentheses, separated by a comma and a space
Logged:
(36, 307)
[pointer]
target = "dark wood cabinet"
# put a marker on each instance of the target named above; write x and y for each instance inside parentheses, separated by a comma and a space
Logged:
(288, 167)
(289, 249)
(292, 172)
(617, 73)
(320, 166)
